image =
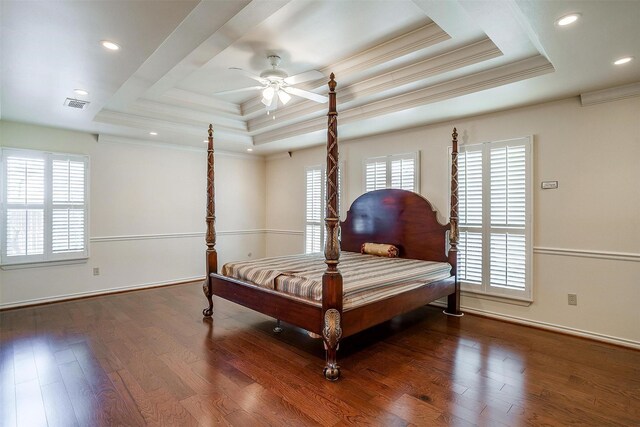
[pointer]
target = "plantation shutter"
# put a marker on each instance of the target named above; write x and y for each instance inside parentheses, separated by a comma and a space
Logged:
(44, 207)
(470, 258)
(494, 250)
(403, 173)
(68, 210)
(315, 202)
(24, 219)
(375, 175)
(395, 171)
(316, 206)
(508, 209)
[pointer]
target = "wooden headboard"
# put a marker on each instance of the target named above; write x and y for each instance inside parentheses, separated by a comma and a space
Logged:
(398, 217)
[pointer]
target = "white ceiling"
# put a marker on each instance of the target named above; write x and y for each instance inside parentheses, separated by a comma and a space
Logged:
(398, 63)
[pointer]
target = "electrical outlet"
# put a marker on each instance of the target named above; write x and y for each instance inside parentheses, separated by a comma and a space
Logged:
(96, 271)
(549, 185)
(573, 299)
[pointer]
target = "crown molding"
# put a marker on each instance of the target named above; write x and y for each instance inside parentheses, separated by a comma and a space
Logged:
(610, 94)
(114, 139)
(388, 51)
(392, 80)
(160, 110)
(475, 82)
(194, 129)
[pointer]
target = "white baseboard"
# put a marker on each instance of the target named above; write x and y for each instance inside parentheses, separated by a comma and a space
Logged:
(549, 326)
(59, 298)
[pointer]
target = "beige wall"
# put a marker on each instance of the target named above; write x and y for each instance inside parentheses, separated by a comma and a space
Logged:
(147, 209)
(594, 153)
(146, 190)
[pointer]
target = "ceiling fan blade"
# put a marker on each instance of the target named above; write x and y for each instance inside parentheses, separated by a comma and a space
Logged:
(304, 77)
(250, 75)
(306, 94)
(243, 89)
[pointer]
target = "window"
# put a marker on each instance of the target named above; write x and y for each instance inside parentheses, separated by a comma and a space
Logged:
(495, 246)
(395, 171)
(44, 206)
(316, 206)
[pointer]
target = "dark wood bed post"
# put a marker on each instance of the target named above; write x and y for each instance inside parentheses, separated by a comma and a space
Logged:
(212, 255)
(332, 279)
(453, 300)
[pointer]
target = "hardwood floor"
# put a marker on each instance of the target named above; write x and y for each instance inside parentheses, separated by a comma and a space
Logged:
(148, 358)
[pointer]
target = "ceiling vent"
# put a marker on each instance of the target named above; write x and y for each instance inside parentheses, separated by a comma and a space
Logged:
(75, 103)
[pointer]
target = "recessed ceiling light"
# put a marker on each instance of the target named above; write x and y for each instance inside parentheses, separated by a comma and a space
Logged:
(568, 19)
(249, 149)
(624, 60)
(109, 45)
(153, 133)
(81, 92)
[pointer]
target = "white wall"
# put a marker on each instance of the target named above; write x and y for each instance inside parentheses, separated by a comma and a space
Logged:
(147, 210)
(592, 151)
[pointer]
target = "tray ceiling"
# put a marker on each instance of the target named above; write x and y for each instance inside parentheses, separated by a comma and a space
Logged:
(398, 64)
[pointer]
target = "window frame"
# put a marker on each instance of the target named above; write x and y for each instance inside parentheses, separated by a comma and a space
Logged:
(485, 287)
(48, 256)
(388, 159)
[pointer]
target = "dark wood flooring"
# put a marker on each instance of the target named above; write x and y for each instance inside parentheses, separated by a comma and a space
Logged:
(148, 358)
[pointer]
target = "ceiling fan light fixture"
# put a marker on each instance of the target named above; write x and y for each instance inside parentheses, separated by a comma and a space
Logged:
(284, 97)
(277, 87)
(267, 94)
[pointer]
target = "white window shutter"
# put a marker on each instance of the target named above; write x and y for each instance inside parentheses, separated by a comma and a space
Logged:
(24, 220)
(508, 261)
(395, 171)
(44, 206)
(68, 213)
(313, 238)
(375, 175)
(314, 206)
(470, 257)
(403, 173)
(495, 217)
(470, 188)
(508, 216)
(470, 249)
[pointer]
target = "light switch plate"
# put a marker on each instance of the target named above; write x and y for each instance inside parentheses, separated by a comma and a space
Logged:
(549, 185)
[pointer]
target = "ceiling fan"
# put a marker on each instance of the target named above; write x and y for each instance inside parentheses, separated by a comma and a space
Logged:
(277, 85)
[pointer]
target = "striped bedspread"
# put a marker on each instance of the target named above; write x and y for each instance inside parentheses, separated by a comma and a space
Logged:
(366, 278)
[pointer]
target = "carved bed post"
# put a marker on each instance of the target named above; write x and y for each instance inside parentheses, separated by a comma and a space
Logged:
(332, 279)
(453, 300)
(212, 255)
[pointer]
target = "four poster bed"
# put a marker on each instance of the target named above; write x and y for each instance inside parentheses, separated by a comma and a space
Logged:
(302, 291)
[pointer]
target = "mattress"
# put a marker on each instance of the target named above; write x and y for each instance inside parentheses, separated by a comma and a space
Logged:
(366, 278)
